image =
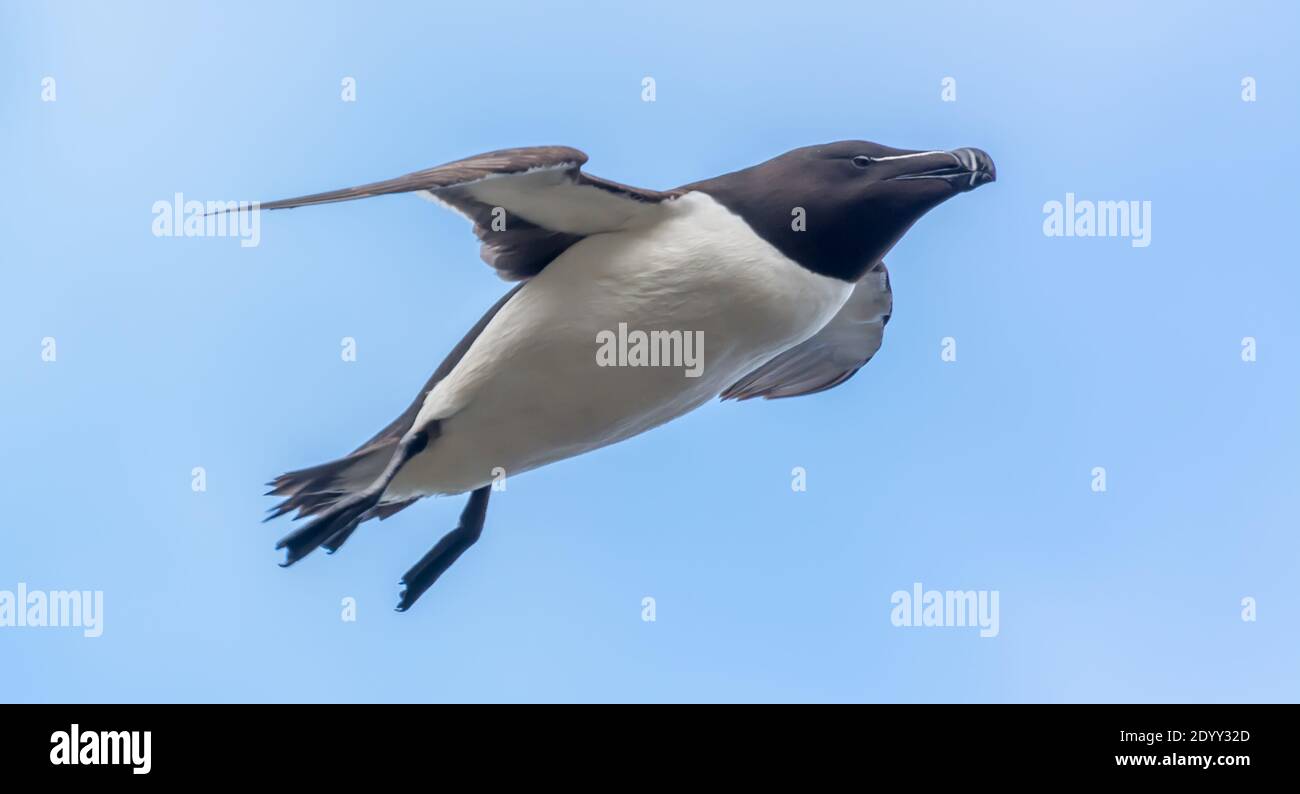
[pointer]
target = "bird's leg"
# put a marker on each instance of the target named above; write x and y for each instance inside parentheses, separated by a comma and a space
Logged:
(453, 544)
(342, 517)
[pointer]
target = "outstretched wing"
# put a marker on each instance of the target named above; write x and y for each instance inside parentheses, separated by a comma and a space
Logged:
(833, 354)
(528, 205)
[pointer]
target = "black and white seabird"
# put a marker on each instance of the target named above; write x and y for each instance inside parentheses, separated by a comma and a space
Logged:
(779, 266)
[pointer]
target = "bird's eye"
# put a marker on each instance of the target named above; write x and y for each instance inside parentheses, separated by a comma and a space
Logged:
(861, 161)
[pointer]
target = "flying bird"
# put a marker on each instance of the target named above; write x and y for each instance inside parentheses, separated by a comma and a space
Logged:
(776, 269)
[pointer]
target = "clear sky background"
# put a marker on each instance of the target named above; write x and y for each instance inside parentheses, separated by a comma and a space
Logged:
(974, 474)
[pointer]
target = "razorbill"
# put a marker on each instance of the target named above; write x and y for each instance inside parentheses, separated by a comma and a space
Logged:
(776, 270)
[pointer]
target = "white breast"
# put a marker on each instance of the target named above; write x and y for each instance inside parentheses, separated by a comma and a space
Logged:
(529, 391)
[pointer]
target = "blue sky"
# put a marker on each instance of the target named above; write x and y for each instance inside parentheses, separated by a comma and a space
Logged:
(975, 474)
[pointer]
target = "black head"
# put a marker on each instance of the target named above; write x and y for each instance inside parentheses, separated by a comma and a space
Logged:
(838, 208)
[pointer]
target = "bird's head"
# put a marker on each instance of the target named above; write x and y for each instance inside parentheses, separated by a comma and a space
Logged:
(838, 208)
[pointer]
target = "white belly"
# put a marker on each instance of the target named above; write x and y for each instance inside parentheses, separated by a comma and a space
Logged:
(531, 391)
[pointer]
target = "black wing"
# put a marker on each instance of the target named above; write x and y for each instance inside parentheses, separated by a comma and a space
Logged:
(528, 205)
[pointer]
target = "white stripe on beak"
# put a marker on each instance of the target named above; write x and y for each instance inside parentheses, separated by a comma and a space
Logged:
(906, 156)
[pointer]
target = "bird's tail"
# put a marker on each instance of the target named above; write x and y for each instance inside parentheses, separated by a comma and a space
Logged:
(316, 489)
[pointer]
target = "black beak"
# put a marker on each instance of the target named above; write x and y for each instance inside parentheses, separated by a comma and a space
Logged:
(981, 168)
(964, 169)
